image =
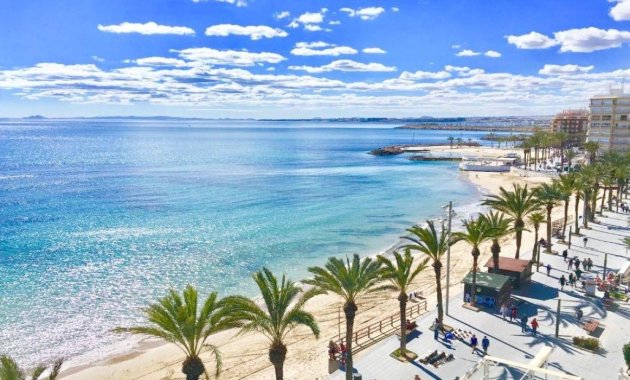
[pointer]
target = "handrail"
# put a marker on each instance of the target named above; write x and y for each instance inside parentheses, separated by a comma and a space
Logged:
(376, 331)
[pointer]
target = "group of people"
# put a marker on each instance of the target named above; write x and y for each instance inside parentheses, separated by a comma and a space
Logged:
(587, 264)
(512, 312)
(485, 343)
(571, 281)
(334, 349)
(625, 208)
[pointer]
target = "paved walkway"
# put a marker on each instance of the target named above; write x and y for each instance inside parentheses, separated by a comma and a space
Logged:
(540, 300)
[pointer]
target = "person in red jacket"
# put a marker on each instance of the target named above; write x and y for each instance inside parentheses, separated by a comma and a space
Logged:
(534, 326)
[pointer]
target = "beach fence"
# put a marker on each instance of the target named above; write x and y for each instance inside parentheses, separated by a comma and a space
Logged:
(377, 331)
(532, 173)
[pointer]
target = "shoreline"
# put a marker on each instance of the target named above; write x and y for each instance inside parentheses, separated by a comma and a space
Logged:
(307, 356)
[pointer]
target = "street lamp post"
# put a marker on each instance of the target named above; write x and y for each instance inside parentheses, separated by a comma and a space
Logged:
(448, 254)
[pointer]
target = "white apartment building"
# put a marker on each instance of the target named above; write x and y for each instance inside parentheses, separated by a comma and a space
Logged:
(609, 120)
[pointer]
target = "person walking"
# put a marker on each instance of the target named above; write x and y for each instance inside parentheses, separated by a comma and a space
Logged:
(548, 270)
(504, 311)
(523, 323)
(513, 313)
(570, 263)
(572, 280)
(473, 343)
(563, 281)
(590, 264)
(485, 343)
(585, 264)
(565, 253)
(436, 332)
(578, 274)
(577, 263)
(585, 240)
(534, 326)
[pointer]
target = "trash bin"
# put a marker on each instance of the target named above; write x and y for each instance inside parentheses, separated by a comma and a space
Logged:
(590, 284)
(357, 376)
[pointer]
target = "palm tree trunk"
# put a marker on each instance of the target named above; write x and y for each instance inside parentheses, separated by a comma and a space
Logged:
(593, 208)
(566, 216)
(495, 249)
(518, 226)
(402, 300)
(535, 256)
(437, 267)
(587, 208)
(548, 247)
(277, 355)
(473, 292)
(350, 310)
(601, 204)
(577, 210)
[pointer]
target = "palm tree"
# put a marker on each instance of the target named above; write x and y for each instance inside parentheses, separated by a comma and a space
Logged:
(566, 183)
(477, 231)
(570, 155)
(549, 195)
(400, 275)
(9, 370)
(536, 219)
(591, 147)
(579, 188)
(282, 312)
(499, 227)
(459, 141)
(350, 280)
(179, 320)
(434, 246)
(517, 204)
(450, 140)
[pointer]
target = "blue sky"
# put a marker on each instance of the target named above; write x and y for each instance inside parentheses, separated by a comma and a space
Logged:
(260, 58)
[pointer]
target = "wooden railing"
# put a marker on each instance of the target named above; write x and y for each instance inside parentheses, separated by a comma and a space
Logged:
(377, 331)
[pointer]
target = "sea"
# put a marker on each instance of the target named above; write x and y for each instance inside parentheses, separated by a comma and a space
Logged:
(98, 218)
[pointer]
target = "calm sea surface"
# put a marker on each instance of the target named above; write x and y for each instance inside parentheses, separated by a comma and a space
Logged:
(97, 218)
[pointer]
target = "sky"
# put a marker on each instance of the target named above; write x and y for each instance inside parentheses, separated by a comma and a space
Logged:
(309, 58)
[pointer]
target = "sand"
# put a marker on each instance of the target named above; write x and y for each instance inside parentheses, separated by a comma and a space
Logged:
(245, 356)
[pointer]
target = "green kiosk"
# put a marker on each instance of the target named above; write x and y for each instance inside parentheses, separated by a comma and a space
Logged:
(492, 289)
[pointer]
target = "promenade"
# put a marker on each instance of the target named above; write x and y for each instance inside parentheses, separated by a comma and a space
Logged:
(538, 300)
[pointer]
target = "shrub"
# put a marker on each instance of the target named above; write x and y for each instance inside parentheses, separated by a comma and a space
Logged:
(626, 354)
(585, 342)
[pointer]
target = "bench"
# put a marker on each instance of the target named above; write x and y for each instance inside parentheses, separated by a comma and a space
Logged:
(591, 326)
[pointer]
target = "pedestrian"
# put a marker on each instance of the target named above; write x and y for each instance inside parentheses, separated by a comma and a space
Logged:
(577, 263)
(585, 264)
(572, 280)
(570, 265)
(344, 353)
(485, 343)
(563, 281)
(513, 313)
(436, 332)
(473, 343)
(590, 264)
(504, 311)
(548, 270)
(579, 314)
(534, 326)
(565, 253)
(585, 240)
(523, 323)
(578, 274)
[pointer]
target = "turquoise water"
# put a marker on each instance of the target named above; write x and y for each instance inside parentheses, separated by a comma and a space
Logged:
(98, 218)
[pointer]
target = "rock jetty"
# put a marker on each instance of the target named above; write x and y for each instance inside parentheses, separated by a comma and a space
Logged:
(388, 151)
(433, 158)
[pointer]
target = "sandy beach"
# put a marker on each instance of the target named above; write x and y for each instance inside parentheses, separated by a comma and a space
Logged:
(245, 356)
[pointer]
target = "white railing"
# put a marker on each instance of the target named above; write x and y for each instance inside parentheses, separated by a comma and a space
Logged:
(532, 173)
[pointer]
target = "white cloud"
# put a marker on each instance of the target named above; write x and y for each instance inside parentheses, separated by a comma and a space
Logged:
(467, 53)
(146, 28)
(256, 32)
(159, 61)
(310, 21)
(238, 3)
(621, 11)
(97, 58)
(369, 13)
(564, 69)
(532, 40)
(374, 50)
(492, 54)
(463, 71)
(456, 46)
(228, 57)
(345, 65)
(281, 15)
(587, 40)
(335, 22)
(321, 48)
(395, 9)
(421, 75)
(271, 68)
